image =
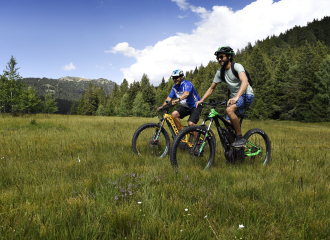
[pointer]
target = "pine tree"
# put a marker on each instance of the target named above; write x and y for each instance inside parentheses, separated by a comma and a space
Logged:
(49, 105)
(277, 84)
(123, 87)
(320, 104)
(148, 92)
(307, 66)
(28, 101)
(140, 107)
(259, 111)
(124, 106)
(162, 84)
(13, 87)
(100, 95)
(89, 103)
(3, 93)
(113, 101)
(74, 108)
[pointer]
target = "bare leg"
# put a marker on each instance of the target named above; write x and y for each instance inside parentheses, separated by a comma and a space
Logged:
(176, 116)
(234, 121)
(192, 124)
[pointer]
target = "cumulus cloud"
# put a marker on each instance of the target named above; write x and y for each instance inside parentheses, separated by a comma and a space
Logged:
(125, 49)
(219, 27)
(69, 67)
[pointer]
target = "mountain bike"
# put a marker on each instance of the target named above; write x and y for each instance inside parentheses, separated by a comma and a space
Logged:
(202, 152)
(153, 139)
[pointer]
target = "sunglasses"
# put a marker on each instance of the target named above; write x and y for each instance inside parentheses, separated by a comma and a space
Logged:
(221, 57)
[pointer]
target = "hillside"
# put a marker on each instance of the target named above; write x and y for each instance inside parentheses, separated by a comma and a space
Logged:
(66, 88)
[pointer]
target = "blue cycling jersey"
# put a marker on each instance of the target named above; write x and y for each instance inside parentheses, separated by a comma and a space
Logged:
(185, 86)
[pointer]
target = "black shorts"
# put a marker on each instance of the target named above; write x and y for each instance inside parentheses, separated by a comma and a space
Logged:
(193, 112)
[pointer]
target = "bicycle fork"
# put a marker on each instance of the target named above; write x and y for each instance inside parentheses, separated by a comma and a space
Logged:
(157, 132)
(204, 139)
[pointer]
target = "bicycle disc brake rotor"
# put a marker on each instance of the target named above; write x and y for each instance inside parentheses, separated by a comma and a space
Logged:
(152, 143)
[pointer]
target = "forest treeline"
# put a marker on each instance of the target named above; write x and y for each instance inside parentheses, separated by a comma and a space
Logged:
(290, 74)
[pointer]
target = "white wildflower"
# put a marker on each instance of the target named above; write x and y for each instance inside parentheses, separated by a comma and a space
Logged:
(241, 226)
(186, 209)
(139, 202)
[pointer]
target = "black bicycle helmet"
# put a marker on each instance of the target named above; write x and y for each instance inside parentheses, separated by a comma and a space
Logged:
(225, 50)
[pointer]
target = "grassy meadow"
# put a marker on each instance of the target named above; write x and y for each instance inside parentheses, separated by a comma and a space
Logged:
(76, 177)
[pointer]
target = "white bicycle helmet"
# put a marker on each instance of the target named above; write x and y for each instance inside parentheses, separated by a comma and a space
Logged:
(177, 73)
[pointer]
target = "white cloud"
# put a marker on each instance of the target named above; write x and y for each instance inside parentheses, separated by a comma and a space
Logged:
(183, 16)
(69, 67)
(123, 48)
(99, 67)
(182, 4)
(218, 27)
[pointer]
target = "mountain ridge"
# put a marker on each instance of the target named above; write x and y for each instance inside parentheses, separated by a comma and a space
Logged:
(67, 88)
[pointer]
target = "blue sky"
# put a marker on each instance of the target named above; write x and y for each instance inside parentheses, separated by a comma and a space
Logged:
(117, 39)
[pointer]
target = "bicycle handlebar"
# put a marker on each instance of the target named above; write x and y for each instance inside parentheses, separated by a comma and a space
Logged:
(168, 106)
(213, 103)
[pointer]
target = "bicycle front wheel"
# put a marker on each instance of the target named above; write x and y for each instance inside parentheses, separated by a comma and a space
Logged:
(149, 141)
(188, 148)
(258, 147)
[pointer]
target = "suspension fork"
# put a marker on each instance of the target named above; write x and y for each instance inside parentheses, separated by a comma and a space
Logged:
(157, 133)
(206, 135)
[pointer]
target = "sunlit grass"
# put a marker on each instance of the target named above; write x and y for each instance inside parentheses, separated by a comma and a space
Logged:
(69, 177)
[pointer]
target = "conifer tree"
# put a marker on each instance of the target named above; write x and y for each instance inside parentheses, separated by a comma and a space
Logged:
(259, 111)
(123, 88)
(49, 105)
(89, 103)
(124, 106)
(100, 95)
(307, 66)
(162, 84)
(148, 92)
(320, 104)
(74, 108)
(28, 101)
(3, 93)
(140, 107)
(113, 101)
(14, 87)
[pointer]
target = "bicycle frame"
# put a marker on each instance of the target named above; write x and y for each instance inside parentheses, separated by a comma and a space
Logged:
(223, 134)
(171, 123)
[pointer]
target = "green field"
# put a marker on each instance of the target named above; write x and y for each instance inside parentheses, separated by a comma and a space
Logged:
(76, 177)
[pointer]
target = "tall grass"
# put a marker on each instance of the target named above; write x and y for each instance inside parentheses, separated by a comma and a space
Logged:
(76, 177)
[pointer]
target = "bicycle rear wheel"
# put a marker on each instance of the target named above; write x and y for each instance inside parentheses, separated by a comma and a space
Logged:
(258, 147)
(147, 141)
(194, 153)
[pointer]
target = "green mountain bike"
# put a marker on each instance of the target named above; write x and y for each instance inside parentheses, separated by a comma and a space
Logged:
(202, 151)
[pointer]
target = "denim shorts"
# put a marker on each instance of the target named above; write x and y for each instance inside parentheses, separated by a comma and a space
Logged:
(243, 103)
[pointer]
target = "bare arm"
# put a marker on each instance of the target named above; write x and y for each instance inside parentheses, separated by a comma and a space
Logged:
(207, 94)
(164, 104)
(183, 96)
(241, 90)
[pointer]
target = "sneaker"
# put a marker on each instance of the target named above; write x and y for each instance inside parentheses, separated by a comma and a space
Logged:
(240, 142)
